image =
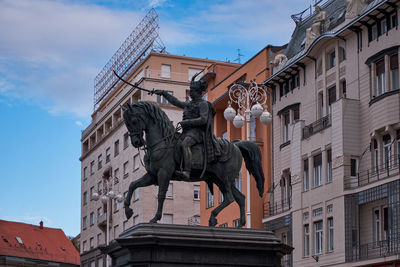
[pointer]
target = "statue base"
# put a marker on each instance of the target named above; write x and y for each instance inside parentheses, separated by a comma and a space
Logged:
(181, 245)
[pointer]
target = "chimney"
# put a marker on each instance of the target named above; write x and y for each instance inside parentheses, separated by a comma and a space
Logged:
(41, 224)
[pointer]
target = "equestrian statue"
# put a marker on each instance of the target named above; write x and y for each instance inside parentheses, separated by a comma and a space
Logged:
(193, 155)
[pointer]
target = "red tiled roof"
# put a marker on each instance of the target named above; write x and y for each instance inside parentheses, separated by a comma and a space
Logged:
(39, 243)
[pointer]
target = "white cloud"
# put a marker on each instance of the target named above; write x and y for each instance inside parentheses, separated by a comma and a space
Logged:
(156, 3)
(79, 123)
(52, 50)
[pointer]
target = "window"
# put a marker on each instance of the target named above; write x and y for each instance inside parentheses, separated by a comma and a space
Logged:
(377, 224)
(116, 205)
(100, 212)
(320, 104)
(91, 218)
(170, 191)
(136, 194)
(99, 241)
(116, 148)
(318, 237)
(374, 156)
(286, 122)
(380, 77)
(329, 159)
(84, 245)
(385, 223)
(387, 151)
(167, 218)
(126, 173)
(84, 198)
(331, 60)
(393, 19)
(319, 67)
(329, 208)
(116, 174)
(343, 87)
(196, 192)
(221, 197)
(296, 114)
(306, 215)
(236, 223)
(306, 176)
(252, 128)
(91, 242)
(306, 240)
(162, 100)
(116, 231)
(331, 98)
(99, 162)
(373, 32)
(394, 72)
(318, 170)
(192, 72)
(353, 167)
(317, 212)
(330, 234)
(136, 162)
(92, 167)
(342, 54)
(126, 140)
(135, 219)
(91, 192)
(84, 222)
(108, 155)
(238, 181)
(125, 225)
(166, 71)
(85, 173)
(210, 199)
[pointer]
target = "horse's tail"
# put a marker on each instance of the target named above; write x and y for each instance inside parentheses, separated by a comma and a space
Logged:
(252, 157)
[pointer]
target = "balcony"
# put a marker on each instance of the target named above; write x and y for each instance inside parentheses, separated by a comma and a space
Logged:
(317, 126)
(376, 249)
(271, 209)
(383, 171)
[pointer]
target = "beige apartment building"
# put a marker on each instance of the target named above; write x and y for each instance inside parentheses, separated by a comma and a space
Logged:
(110, 161)
(336, 136)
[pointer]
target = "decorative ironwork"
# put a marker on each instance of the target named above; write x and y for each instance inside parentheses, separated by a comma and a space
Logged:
(244, 97)
(317, 126)
(139, 43)
(271, 209)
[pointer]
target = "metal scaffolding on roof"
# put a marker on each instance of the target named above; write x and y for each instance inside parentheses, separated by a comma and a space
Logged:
(143, 39)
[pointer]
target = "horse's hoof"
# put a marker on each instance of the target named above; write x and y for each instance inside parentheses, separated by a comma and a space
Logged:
(212, 222)
(128, 213)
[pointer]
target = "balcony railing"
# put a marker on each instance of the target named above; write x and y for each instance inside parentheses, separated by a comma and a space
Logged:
(317, 126)
(377, 249)
(271, 209)
(388, 169)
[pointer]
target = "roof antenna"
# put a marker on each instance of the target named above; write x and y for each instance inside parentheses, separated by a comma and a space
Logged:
(239, 56)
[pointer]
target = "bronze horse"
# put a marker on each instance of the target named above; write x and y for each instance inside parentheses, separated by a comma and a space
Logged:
(162, 159)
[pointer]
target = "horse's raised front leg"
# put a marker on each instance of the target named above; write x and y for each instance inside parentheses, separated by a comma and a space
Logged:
(146, 180)
(163, 183)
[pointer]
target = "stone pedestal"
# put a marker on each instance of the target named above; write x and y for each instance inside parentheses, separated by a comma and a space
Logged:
(153, 245)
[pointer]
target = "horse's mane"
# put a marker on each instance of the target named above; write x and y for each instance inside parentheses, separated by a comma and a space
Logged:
(157, 115)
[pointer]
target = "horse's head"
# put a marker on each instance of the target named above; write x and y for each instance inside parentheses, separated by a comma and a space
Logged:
(135, 124)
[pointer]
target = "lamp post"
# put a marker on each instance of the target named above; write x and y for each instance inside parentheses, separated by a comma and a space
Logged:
(107, 195)
(250, 100)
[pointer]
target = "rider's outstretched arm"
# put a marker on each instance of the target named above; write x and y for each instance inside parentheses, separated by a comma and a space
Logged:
(173, 100)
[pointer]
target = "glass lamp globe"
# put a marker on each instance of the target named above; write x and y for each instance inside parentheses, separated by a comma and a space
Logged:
(95, 196)
(256, 110)
(229, 113)
(238, 121)
(104, 199)
(120, 198)
(111, 194)
(266, 117)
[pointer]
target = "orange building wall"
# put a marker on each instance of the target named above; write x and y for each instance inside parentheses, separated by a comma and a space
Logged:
(256, 68)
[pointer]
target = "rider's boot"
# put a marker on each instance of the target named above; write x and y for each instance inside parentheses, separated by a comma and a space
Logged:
(187, 162)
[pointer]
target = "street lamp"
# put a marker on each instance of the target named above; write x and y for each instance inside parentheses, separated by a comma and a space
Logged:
(251, 100)
(107, 195)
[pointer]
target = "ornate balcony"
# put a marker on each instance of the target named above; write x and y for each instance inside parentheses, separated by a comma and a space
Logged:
(388, 169)
(376, 249)
(317, 126)
(271, 209)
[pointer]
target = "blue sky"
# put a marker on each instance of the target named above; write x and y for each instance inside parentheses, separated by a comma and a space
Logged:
(50, 52)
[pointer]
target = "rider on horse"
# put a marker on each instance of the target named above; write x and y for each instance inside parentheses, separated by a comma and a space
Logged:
(197, 124)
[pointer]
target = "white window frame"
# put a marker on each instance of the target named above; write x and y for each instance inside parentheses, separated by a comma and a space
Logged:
(330, 226)
(306, 251)
(387, 154)
(196, 192)
(318, 237)
(376, 225)
(306, 175)
(165, 71)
